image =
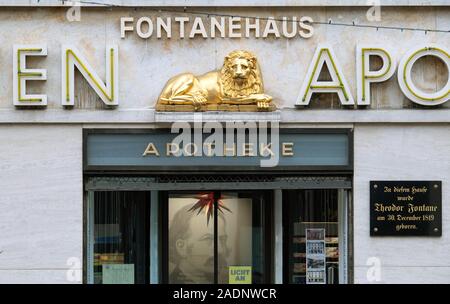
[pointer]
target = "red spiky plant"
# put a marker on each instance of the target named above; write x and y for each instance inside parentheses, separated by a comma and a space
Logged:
(206, 202)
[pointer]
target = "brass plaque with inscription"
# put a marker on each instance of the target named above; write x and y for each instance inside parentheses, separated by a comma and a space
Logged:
(405, 208)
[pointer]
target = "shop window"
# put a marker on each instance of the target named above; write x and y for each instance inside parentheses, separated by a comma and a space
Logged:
(120, 244)
(186, 237)
(313, 228)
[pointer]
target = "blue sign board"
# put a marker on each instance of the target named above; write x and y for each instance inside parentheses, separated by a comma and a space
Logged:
(147, 150)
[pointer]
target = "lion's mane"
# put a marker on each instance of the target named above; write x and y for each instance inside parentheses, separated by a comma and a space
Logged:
(252, 85)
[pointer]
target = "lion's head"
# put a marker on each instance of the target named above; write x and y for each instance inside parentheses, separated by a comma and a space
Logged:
(240, 75)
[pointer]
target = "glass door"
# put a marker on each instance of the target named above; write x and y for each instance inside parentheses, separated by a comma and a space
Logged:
(218, 237)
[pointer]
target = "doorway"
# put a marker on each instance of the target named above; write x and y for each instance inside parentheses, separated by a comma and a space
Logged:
(217, 236)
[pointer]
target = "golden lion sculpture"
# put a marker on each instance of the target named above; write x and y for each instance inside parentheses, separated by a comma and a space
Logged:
(238, 86)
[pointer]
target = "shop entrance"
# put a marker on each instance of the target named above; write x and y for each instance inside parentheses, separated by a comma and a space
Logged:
(218, 218)
(261, 229)
(219, 236)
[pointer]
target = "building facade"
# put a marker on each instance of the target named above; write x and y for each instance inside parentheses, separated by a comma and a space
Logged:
(351, 100)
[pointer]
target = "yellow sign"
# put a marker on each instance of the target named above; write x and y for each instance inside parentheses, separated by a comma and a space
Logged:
(240, 275)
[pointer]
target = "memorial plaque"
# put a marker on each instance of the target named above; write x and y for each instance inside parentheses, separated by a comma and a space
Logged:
(405, 208)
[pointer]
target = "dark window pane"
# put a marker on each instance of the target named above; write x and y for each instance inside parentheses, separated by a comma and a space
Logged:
(312, 235)
(121, 247)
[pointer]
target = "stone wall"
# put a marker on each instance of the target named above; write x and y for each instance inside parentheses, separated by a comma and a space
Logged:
(41, 203)
(146, 64)
(401, 152)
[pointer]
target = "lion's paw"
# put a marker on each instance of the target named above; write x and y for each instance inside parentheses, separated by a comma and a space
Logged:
(263, 105)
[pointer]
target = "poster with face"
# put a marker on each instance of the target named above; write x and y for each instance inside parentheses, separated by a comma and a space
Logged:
(191, 237)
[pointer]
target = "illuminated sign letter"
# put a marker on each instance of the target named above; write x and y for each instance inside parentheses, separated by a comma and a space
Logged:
(21, 74)
(405, 76)
(109, 92)
(365, 76)
(324, 55)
